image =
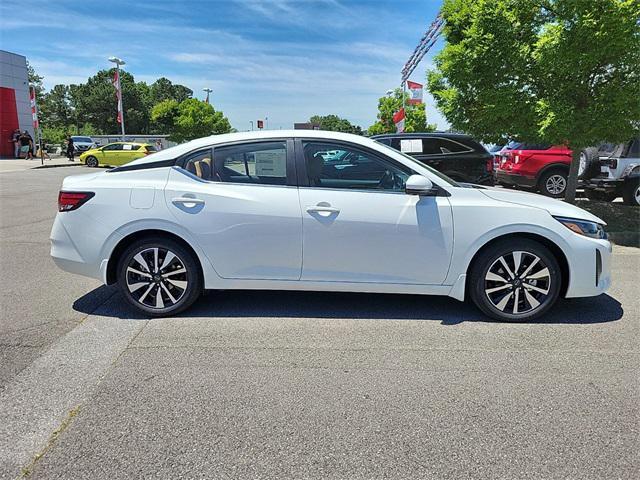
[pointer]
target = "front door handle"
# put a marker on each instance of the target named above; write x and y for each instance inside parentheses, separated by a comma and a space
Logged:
(322, 209)
(188, 201)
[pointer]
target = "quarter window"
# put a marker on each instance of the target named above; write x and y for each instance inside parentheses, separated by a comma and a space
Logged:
(199, 164)
(262, 163)
(336, 166)
(112, 147)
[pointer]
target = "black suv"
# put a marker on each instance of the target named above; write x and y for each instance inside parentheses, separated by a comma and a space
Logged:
(456, 155)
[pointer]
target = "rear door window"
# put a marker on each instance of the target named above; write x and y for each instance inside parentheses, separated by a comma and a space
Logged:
(262, 163)
(442, 146)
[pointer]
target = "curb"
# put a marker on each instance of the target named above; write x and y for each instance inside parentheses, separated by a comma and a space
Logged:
(74, 164)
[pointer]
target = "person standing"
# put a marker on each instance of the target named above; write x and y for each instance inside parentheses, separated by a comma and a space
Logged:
(15, 138)
(26, 145)
(70, 148)
(158, 145)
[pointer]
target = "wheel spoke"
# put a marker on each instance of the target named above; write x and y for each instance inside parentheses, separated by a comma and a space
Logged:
(166, 290)
(516, 300)
(531, 265)
(143, 263)
(506, 267)
(175, 272)
(144, 295)
(155, 260)
(503, 303)
(517, 258)
(536, 289)
(167, 260)
(531, 299)
(138, 272)
(178, 283)
(137, 286)
(497, 289)
(494, 277)
(541, 274)
(159, 301)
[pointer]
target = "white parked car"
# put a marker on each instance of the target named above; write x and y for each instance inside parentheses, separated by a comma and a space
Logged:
(271, 210)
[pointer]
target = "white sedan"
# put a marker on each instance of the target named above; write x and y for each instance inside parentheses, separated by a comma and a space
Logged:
(274, 210)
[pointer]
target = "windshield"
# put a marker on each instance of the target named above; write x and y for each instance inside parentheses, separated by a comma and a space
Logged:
(82, 139)
(438, 174)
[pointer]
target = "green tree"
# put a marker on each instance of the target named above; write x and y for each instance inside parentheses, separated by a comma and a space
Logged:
(334, 123)
(558, 71)
(35, 80)
(415, 115)
(163, 89)
(55, 107)
(189, 119)
(95, 102)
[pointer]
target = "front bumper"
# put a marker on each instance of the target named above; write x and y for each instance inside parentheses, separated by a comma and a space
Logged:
(508, 178)
(589, 267)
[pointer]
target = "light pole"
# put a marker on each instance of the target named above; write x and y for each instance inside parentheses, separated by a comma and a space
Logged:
(251, 122)
(119, 62)
(389, 93)
(266, 123)
(208, 90)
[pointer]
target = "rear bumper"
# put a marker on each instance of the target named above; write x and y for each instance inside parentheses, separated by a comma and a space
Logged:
(514, 179)
(603, 184)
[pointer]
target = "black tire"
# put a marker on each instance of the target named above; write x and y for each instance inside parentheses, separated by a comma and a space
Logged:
(631, 192)
(488, 264)
(553, 183)
(184, 288)
(91, 161)
(600, 196)
(591, 168)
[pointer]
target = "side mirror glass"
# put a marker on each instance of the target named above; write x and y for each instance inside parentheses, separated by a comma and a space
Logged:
(419, 185)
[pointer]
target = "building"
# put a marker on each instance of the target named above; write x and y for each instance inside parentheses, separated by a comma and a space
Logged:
(15, 110)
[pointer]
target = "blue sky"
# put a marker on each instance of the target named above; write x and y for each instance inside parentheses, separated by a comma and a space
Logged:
(285, 59)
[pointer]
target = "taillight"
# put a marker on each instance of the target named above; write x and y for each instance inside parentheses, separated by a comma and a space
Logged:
(68, 201)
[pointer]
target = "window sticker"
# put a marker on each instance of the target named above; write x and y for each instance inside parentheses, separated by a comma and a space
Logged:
(126, 147)
(411, 146)
(271, 163)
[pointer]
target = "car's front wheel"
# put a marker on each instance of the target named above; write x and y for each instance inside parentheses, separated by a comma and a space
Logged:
(515, 280)
(159, 277)
(631, 192)
(91, 161)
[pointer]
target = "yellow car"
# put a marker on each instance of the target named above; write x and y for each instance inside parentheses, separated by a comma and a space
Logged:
(115, 154)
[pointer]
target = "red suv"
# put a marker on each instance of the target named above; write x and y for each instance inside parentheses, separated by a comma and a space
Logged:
(542, 167)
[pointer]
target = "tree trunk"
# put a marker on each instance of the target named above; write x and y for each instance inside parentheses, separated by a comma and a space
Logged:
(572, 181)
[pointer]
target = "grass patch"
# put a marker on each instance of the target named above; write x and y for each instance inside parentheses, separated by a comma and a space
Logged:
(623, 221)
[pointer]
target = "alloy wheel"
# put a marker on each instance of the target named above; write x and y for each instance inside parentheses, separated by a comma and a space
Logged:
(517, 283)
(636, 195)
(157, 278)
(556, 184)
(582, 166)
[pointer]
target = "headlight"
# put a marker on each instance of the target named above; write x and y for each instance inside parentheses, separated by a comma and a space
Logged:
(583, 227)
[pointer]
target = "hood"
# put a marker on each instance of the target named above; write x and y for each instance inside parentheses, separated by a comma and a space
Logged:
(557, 208)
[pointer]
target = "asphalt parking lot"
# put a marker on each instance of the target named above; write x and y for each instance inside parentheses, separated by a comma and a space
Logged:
(302, 385)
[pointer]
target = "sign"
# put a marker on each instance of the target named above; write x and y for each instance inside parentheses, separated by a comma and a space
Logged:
(398, 120)
(271, 163)
(411, 146)
(260, 124)
(415, 93)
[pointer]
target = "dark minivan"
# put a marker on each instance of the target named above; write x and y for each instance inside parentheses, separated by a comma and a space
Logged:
(456, 155)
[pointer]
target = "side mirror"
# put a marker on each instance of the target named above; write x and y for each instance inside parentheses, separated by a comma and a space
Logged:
(419, 185)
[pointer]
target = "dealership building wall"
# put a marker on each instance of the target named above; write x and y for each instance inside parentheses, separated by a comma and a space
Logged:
(15, 111)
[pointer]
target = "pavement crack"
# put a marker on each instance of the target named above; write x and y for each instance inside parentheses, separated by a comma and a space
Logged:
(26, 471)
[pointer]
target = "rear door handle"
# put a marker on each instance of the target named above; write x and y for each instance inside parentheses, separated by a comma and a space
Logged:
(187, 201)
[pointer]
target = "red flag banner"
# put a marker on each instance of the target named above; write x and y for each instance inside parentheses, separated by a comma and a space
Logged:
(34, 108)
(116, 84)
(398, 120)
(415, 93)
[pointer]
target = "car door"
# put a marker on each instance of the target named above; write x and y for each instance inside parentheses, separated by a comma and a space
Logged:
(110, 154)
(240, 203)
(368, 229)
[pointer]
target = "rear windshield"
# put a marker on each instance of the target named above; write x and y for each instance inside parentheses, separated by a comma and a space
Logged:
(82, 139)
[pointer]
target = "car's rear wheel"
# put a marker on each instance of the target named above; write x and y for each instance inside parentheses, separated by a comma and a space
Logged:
(515, 280)
(631, 192)
(553, 184)
(91, 161)
(159, 277)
